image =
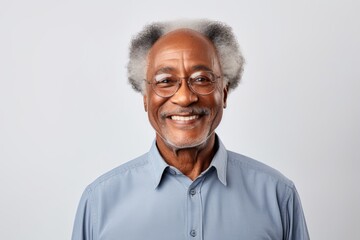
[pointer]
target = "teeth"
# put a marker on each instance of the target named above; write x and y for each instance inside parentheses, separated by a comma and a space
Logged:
(184, 118)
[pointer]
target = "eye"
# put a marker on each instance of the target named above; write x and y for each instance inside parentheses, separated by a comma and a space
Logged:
(165, 80)
(202, 78)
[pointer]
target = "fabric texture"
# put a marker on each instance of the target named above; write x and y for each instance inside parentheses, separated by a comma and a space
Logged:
(235, 198)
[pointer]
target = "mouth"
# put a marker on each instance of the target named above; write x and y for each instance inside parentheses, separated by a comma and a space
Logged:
(185, 114)
(184, 118)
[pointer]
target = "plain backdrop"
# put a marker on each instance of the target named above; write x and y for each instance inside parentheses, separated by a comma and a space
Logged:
(68, 115)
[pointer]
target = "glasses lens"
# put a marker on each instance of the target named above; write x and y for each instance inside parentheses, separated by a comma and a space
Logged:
(165, 84)
(202, 82)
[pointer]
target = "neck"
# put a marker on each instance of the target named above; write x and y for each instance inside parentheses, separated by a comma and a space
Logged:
(190, 161)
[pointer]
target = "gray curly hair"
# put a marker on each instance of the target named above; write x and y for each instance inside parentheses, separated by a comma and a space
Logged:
(220, 34)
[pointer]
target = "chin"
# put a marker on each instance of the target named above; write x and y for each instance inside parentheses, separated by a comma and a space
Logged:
(183, 142)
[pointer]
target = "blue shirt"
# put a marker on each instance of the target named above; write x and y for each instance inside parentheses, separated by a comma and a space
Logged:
(235, 198)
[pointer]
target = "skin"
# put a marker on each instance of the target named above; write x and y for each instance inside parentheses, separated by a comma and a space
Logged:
(187, 144)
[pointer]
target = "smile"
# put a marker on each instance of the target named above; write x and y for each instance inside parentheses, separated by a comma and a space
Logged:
(184, 118)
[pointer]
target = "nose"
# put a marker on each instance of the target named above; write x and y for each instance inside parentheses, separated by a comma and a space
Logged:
(184, 96)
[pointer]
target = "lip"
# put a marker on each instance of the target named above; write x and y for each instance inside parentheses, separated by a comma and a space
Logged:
(184, 118)
(188, 121)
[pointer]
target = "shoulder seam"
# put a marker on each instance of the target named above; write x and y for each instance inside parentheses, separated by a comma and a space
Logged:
(116, 171)
(287, 182)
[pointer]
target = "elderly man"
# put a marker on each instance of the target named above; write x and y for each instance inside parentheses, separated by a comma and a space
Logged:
(188, 186)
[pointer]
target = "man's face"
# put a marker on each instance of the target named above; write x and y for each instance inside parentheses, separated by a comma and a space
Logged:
(185, 119)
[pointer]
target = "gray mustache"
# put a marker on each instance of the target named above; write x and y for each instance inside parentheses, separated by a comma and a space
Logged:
(189, 110)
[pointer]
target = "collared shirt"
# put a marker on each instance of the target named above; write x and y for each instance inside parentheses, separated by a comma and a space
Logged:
(235, 198)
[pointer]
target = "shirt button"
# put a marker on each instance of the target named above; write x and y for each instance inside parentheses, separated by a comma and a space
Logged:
(192, 192)
(193, 233)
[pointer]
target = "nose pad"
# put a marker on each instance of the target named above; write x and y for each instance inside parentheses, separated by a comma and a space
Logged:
(184, 86)
(184, 95)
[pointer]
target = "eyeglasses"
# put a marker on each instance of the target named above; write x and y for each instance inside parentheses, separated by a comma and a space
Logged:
(167, 84)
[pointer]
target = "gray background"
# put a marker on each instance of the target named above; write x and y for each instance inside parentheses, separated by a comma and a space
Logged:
(68, 115)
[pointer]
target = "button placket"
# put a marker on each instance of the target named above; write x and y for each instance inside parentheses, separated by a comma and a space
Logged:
(193, 233)
(194, 210)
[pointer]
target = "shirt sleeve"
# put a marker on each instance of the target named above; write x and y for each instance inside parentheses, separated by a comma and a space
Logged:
(294, 220)
(83, 225)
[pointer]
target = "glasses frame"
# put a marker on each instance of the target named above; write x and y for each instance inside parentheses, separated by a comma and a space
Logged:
(179, 82)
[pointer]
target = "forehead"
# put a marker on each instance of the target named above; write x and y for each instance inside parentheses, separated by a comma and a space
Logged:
(183, 48)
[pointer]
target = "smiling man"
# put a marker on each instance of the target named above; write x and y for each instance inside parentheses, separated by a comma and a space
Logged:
(188, 186)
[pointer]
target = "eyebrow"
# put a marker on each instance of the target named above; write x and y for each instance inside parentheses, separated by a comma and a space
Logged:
(164, 70)
(200, 67)
(194, 68)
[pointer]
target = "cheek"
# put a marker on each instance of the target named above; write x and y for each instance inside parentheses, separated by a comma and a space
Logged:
(217, 105)
(218, 94)
(154, 106)
(218, 100)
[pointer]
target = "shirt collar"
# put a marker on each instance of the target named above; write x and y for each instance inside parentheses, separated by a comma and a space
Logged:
(158, 163)
(219, 162)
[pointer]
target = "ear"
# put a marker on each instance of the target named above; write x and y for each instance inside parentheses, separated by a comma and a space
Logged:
(145, 102)
(226, 89)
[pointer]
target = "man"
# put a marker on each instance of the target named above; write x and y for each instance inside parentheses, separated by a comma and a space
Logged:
(188, 186)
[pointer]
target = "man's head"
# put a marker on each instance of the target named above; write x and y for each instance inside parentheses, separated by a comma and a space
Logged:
(220, 34)
(186, 83)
